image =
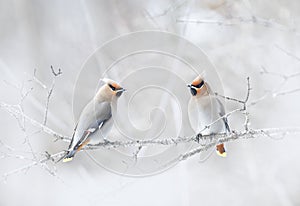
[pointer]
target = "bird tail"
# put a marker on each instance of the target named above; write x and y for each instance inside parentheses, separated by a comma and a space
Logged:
(68, 156)
(221, 150)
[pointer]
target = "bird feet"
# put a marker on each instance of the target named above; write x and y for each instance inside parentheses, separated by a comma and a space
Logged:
(198, 138)
(106, 141)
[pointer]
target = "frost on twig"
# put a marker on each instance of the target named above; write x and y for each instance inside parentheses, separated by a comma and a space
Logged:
(277, 90)
(244, 104)
(55, 74)
(236, 21)
(172, 7)
(17, 111)
(44, 159)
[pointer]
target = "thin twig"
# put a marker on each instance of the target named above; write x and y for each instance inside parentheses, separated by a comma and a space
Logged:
(287, 52)
(50, 91)
(232, 21)
(211, 140)
(276, 91)
(59, 72)
(25, 168)
(14, 110)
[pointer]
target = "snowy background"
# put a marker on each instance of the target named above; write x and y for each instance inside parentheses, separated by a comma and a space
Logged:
(241, 38)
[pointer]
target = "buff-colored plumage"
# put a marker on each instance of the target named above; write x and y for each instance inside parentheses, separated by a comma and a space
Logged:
(95, 121)
(204, 109)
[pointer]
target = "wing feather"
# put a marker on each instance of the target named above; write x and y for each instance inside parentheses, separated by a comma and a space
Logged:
(93, 117)
(222, 113)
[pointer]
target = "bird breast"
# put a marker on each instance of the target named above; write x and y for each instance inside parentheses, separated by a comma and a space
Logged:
(202, 112)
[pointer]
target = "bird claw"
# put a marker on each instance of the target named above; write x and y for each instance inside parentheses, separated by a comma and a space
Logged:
(198, 137)
(106, 141)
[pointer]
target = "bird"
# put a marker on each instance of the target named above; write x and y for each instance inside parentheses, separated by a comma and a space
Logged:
(206, 112)
(95, 121)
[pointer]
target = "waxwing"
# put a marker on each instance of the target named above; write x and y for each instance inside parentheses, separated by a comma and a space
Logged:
(95, 121)
(205, 109)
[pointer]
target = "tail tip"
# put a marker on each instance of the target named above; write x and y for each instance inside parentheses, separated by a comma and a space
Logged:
(67, 159)
(223, 154)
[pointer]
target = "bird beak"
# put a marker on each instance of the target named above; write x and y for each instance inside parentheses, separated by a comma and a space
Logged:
(120, 92)
(189, 85)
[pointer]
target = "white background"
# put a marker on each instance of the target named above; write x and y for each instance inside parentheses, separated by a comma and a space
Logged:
(262, 171)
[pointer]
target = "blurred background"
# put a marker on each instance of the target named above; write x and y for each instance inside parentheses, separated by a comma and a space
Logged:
(237, 38)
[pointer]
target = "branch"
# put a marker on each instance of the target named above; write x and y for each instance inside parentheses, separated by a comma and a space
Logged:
(56, 74)
(25, 168)
(236, 136)
(59, 72)
(174, 6)
(287, 52)
(219, 137)
(232, 21)
(243, 109)
(211, 140)
(277, 90)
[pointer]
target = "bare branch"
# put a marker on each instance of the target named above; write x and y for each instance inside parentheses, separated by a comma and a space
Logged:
(211, 140)
(59, 72)
(35, 79)
(243, 109)
(287, 52)
(286, 92)
(50, 91)
(172, 7)
(234, 136)
(204, 21)
(15, 111)
(230, 98)
(247, 121)
(25, 168)
(276, 91)
(233, 21)
(220, 137)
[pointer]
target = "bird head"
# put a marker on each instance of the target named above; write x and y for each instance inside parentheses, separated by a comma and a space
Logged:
(110, 89)
(198, 87)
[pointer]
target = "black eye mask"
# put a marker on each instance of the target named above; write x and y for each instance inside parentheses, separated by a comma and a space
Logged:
(193, 88)
(199, 85)
(112, 87)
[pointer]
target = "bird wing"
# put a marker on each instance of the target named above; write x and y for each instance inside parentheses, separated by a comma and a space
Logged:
(222, 113)
(92, 119)
(72, 140)
(89, 131)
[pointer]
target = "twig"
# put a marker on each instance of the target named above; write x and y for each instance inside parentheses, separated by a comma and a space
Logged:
(35, 79)
(277, 90)
(247, 121)
(243, 109)
(287, 52)
(211, 140)
(50, 91)
(15, 111)
(29, 166)
(59, 72)
(223, 138)
(172, 7)
(286, 92)
(240, 20)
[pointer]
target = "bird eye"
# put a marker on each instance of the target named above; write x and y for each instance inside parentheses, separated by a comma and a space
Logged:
(112, 87)
(200, 84)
